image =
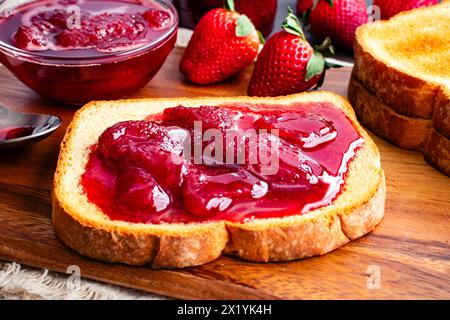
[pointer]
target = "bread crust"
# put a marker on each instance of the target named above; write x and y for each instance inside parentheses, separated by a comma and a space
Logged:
(312, 237)
(437, 152)
(273, 242)
(405, 132)
(121, 245)
(81, 226)
(441, 114)
(405, 94)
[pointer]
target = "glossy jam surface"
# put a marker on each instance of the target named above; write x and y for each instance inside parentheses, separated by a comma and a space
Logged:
(15, 132)
(76, 51)
(151, 171)
(92, 26)
(261, 12)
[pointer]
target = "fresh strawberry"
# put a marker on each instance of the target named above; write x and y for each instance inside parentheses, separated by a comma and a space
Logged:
(338, 19)
(389, 8)
(287, 63)
(223, 44)
(261, 12)
(303, 6)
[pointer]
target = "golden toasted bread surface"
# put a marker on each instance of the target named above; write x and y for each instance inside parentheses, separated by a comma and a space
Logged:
(400, 84)
(415, 42)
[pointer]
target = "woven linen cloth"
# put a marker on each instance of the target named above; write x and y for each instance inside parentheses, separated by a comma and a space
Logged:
(17, 282)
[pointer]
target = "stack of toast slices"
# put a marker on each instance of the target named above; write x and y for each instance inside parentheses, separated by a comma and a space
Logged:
(400, 85)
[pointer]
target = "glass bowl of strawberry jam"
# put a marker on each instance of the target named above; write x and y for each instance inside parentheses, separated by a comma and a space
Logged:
(75, 51)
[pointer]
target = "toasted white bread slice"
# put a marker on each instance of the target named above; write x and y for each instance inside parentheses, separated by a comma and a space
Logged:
(403, 131)
(84, 227)
(405, 60)
(406, 132)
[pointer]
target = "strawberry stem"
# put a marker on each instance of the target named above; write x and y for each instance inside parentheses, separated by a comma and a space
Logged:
(262, 40)
(329, 65)
(292, 25)
(326, 48)
(229, 5)
(317, 63)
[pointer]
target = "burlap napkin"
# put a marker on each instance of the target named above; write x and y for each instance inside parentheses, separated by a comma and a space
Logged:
(18, 282)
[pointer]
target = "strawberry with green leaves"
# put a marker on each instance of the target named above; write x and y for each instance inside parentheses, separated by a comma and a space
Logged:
(337, 19)
(223, 44)
(288, 64)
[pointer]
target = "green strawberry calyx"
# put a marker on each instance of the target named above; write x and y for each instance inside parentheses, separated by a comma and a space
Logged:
(292, 25)
(244, 26)
(317, 64)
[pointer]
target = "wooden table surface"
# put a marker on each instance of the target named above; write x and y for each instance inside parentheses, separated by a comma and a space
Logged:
(409, 251)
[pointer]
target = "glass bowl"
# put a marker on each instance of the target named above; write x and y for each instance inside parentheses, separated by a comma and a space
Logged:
(75, 80)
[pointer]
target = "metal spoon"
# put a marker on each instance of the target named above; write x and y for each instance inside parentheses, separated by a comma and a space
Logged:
(38, 126)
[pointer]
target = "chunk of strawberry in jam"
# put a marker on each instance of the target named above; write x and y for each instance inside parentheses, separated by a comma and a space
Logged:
(211, 117)
(121, 139)
(138, 191)
(117, 25)
(307, 130)
(103, 29)
(282, 162)
(73, 39)
(208, 116)
(29, 38)
(235, 126)
(157, 19)
(146, 145)
(210, 190)
(56, 18)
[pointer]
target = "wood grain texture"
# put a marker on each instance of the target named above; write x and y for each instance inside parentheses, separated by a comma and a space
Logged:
(411, 247)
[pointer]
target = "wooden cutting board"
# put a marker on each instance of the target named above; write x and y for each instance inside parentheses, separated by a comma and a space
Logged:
(409, 253)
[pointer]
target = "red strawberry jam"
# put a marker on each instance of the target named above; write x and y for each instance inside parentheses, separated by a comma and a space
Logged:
(294, 159)
(106, 26)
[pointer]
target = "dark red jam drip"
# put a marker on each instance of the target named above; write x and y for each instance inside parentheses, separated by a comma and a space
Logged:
(102, 26)
(141, 171)
(15, 133)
